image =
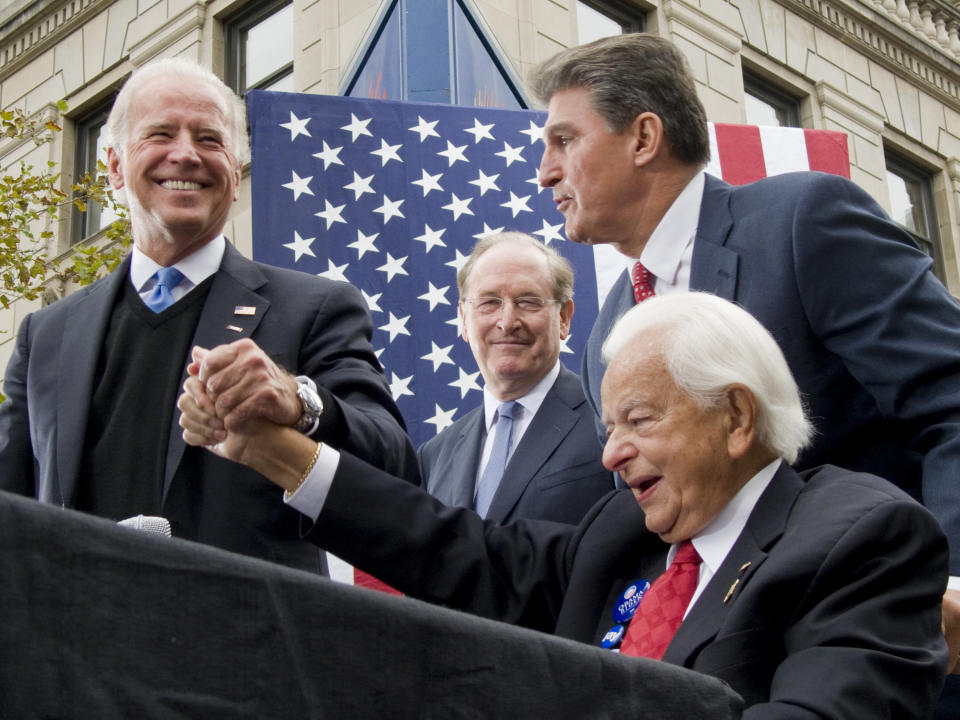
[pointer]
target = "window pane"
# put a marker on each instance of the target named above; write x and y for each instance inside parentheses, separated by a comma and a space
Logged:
(283, 84)
(91, 147)
(906, 203)
(593, 25)
(760, 112)
(268, 46)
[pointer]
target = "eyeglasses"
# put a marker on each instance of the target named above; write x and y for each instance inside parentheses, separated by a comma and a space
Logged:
(525, 305)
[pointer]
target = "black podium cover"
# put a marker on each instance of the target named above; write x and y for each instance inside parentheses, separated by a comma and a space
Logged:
(100, 621)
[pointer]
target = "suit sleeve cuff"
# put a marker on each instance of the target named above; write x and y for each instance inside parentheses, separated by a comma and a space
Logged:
(331, 425)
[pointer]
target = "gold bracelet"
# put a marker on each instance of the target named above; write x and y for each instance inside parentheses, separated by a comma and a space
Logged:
(313, 461)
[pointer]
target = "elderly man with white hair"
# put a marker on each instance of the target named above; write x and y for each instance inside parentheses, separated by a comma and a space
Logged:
(813, 595)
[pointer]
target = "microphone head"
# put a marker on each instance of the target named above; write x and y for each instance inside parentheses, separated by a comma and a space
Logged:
(148, 523)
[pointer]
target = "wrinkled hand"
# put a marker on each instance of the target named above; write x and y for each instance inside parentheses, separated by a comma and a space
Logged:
(201, 425)
(951, 629)
(243, 383)
(277, 452)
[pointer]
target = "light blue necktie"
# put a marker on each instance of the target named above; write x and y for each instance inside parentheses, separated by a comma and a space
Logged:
(493, 472)
(161, 298)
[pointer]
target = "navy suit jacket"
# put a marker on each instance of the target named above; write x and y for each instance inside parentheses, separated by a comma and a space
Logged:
(554, 473)
(306, 324)
(871, 336)
(828, 604)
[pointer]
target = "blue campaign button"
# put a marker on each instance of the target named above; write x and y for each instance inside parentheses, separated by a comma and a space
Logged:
(613, 637)
(626, 605)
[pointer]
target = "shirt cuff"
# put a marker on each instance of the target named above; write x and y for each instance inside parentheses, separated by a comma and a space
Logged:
(310, 497)
(953, 583)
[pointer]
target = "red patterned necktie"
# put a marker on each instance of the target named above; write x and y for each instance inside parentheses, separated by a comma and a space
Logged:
(642, 282)
(661, 610)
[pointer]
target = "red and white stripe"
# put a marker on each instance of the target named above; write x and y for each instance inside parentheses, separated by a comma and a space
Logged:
(740, 154)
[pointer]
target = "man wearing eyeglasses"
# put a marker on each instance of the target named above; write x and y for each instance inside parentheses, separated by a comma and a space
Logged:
(529, 451)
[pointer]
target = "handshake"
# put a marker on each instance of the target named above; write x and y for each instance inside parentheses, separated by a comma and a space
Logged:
(237, 403)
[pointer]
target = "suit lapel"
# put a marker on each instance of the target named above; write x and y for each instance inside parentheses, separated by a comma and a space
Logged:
(619, 300)
(549, 427)
(714, 266)
(83, 334)
(764, 527)
(233, 310)
(458, 475)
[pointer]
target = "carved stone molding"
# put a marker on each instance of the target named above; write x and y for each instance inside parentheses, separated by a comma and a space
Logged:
(34, 31)
(923, 49)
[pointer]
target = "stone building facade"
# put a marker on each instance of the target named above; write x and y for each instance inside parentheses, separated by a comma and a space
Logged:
(885, 72)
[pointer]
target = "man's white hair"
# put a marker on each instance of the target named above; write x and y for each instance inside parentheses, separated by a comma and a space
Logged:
(238, 144)
(708, 344)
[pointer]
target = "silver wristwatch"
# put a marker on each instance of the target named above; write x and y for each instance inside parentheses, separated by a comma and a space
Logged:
(310, 403)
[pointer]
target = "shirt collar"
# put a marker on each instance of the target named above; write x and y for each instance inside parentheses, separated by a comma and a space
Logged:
(196, 267)
(715, 541)
(664, 250)
(530, 402)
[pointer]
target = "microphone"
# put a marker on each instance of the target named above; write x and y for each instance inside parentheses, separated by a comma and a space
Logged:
(148, 523)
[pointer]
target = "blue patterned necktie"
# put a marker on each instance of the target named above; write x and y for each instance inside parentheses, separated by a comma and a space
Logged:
(493, 472)
(161, 298)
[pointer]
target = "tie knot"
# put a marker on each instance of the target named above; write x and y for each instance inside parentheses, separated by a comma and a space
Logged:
(168, 277)
(507, 409)
(687, 553)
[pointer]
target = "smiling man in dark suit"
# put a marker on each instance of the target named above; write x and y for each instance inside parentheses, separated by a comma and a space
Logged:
(515, 307)
(91, 386)
(813, 595)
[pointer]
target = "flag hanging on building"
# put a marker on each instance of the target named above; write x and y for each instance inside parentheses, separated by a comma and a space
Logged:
(392, 196)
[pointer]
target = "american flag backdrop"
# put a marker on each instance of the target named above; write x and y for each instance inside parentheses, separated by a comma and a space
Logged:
(392, 196)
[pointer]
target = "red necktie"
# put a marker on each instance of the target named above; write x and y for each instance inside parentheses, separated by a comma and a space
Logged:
(642, 282)
(661, 610)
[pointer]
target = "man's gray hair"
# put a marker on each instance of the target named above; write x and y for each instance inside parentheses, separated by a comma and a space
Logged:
(238, 144)
(561, 272)
(628, 75)
(708, 344)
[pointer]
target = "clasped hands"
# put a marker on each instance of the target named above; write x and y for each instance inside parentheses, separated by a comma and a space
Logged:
(239, 404)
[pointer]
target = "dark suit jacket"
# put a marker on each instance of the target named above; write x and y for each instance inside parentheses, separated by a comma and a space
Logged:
(554, 474)
(836, 612)
(871, 336)
(308, 325)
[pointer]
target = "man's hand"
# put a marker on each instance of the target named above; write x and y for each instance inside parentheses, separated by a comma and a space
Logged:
(951, 629)
(243, 383)
(278, 452)
(198, 417)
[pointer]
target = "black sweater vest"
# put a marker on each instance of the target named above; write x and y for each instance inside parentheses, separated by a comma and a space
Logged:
(134, 398)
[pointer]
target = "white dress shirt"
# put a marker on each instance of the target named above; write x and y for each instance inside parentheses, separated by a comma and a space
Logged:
(668, 253)
(715, 541)
(196, 267)
(530, 403)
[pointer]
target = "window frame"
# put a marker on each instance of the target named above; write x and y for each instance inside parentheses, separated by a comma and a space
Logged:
(779, 100)
(95, 118)
(234, 29)
(632, 19)
(898, 165)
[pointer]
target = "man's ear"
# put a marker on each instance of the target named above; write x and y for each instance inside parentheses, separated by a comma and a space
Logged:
(647, 136)
(566, 313)
(740, 404)
(463, 322)
(114, 169)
